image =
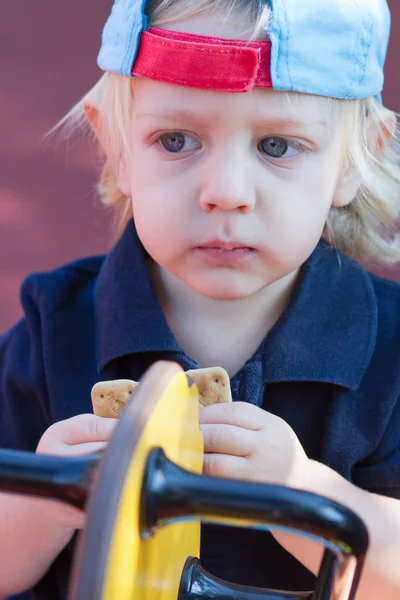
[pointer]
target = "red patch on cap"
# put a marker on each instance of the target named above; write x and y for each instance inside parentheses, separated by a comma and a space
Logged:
(203, 62)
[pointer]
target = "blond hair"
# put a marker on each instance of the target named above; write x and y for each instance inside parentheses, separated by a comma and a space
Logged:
(364, 229)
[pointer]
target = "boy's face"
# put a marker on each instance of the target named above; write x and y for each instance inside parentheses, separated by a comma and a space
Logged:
(231, 192)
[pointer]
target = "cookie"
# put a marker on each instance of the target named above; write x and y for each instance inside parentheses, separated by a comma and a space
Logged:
(213, 385)
(110, 397)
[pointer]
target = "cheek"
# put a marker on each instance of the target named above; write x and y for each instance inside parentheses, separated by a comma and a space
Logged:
(296, 216)
(162, 203)
(295, 213)
(306, 198)
(159, 225)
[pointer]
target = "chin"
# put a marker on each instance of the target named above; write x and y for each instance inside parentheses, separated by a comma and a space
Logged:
(224, 292)
(226, 296)
(225, 285)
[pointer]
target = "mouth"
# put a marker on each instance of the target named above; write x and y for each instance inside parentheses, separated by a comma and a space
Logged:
(221, 251)
(225, 245)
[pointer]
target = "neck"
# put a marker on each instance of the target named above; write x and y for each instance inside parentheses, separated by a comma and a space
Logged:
(222, 333)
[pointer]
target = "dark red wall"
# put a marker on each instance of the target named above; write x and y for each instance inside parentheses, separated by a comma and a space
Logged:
(48, 212)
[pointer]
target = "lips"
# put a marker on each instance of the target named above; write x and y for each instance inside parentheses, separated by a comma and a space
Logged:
(224, 253)
(221, 245)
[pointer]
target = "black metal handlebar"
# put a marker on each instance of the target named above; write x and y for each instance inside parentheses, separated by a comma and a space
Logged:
(171, 493)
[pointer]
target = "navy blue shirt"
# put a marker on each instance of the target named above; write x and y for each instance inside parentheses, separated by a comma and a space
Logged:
(330, 367)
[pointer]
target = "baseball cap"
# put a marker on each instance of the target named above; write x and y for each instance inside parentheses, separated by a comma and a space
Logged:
(334, 48)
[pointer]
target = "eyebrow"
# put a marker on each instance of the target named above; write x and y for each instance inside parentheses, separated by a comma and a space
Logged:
(263, 120)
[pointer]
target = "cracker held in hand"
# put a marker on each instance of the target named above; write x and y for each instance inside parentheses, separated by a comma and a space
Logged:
(110, 397)
(213, 385)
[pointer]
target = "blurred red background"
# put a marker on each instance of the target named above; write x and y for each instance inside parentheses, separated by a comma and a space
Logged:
(49, 212)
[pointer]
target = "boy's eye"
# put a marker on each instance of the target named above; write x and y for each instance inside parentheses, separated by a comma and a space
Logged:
(277, 147)
(176, 142)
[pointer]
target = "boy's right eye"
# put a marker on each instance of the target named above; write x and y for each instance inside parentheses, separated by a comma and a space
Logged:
(175, 142)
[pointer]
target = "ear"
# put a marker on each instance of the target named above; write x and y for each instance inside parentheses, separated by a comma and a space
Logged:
(92, 115)
(347, 186)
(377, 138)
(123, 180)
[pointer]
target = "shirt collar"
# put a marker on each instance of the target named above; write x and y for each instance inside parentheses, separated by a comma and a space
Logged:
(327, 334)
(129, 316)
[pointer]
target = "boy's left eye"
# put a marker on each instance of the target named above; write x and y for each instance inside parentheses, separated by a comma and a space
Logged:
(175, 142)
(277, 147)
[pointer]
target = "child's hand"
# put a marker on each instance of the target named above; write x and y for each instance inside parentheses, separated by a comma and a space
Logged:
(242, 441)
(83, 434)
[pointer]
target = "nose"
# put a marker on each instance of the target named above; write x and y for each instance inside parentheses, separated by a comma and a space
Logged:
(228, 183)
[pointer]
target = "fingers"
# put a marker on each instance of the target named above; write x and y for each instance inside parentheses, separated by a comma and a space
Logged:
(227, 467)
(84, 429)
(228, 439)
(79, 435)
(239, 414)
(81, 449)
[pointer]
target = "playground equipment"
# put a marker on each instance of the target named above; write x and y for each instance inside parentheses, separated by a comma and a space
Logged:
(145, 498)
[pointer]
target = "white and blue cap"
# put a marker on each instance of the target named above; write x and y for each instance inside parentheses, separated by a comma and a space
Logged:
(334, 48)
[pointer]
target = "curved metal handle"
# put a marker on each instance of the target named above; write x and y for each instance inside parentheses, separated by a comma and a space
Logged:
(62, 478)
(170, 493)
(197, 584)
